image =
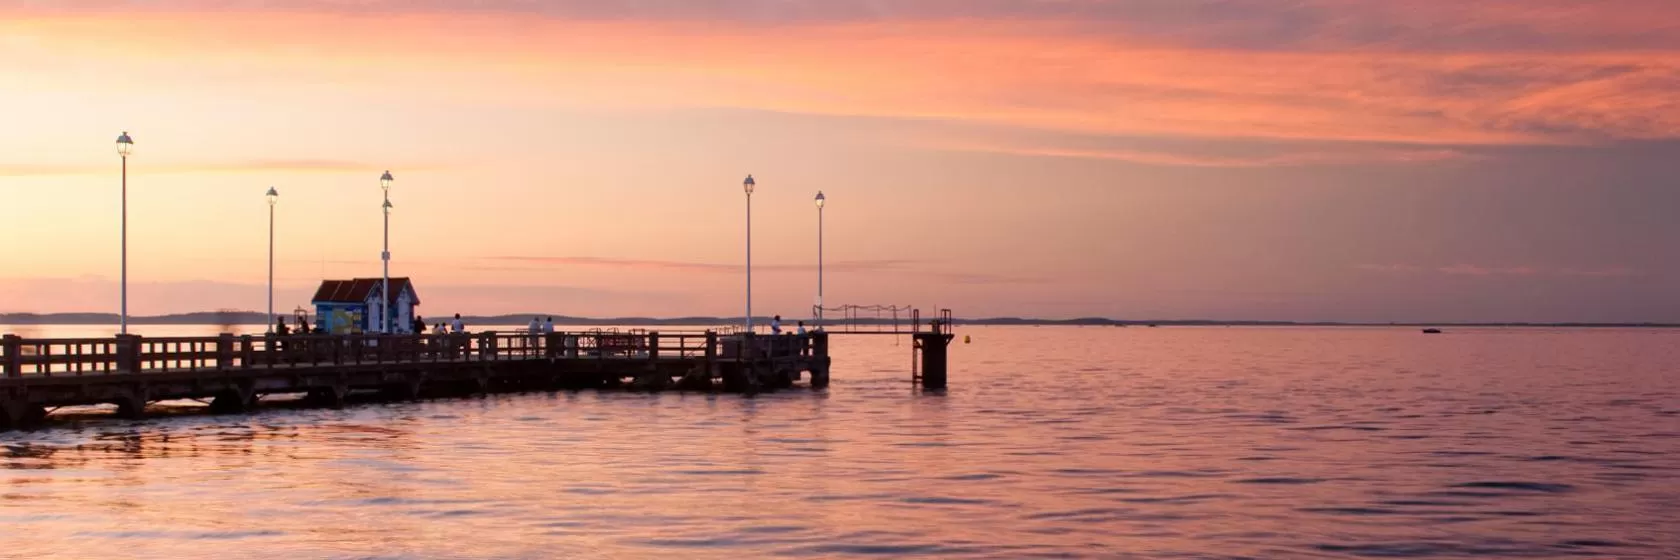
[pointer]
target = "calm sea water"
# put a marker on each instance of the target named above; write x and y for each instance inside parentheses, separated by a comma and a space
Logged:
(1051, 442)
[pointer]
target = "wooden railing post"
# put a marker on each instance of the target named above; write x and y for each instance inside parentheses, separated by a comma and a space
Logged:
(224, 351)
(711, 350)
(487, 346)
(245, 352)
(653, 346)
(128, 353)
(13, 345)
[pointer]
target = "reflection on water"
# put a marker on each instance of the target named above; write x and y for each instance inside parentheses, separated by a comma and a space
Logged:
(1051, 441)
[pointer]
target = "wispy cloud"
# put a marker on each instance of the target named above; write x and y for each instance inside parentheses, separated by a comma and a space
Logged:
(885, 266)
(1496, 271)
(1434, 74)
(1192, 159)
(838, 266)
(1475, 270)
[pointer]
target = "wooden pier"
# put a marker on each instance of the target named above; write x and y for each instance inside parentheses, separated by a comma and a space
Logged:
(233, 372)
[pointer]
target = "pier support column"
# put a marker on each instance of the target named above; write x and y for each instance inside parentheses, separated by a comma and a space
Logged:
(819, 375)
(404, 391)
(652, 381)
(16, 414)
(11, 415)
(933, 346)
(233, 401)
(697, 379)
(132, 406)
(329, 397)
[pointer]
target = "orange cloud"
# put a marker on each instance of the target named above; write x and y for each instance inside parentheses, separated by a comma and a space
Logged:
(1286, 159)
(1033, 74)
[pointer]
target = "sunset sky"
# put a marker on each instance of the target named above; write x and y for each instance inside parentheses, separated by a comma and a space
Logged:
(1354, 160)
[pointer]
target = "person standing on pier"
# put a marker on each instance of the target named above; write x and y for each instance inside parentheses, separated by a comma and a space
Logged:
(456, 325)
(533, 328)
(776, 325)
(548, 326)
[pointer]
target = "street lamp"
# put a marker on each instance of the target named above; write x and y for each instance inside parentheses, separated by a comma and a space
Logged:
(747, 185)
(125, 146)
(820, 201)
(385, 288)
(385, 256)
(273, 197)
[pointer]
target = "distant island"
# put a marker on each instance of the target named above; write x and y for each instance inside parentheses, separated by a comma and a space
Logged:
(520, 319)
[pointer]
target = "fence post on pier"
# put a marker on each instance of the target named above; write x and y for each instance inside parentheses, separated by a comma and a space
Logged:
(245, 351)
(224, 351)
(653, 346)
(711, 352)
(13, 366)
(128, 353)
(487, 346)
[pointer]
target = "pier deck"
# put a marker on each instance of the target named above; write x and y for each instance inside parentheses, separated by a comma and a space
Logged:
(39, 375)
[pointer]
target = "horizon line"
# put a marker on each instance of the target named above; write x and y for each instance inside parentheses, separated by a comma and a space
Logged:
(244, 318)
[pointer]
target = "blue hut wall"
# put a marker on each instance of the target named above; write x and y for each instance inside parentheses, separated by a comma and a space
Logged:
(341, 318)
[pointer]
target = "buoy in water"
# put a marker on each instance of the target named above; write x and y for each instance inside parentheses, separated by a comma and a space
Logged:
(965, 339)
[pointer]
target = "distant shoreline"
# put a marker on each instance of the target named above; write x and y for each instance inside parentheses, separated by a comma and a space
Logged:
(521, 319)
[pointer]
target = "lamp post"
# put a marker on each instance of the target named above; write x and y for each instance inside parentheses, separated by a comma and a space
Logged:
(820, 201)
(747, 185)
(125, 146)
(273, 196)
(385, 256)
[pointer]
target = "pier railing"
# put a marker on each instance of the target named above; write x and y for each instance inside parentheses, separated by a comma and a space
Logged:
(135, 354)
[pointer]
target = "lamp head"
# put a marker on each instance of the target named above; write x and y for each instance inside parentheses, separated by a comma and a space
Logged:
(125, 145)
(385, 181)
(273, 195)
(821, 200)
(748, 185)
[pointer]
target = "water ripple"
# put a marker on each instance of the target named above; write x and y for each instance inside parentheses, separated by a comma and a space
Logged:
(1050, 443)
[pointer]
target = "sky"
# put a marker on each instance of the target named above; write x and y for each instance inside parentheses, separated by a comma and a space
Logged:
(1313, 160)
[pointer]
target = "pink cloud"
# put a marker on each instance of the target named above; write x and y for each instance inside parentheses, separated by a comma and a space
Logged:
(1489, 271)
(1188, 159)
(1044, 72)
(1474, 270)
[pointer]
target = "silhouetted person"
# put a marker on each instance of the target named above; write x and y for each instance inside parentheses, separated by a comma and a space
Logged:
(776, 325)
